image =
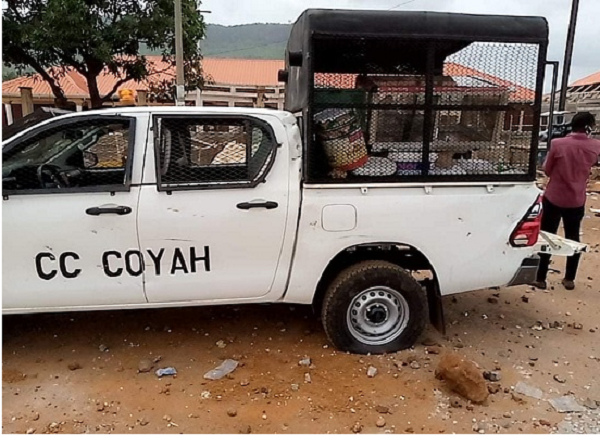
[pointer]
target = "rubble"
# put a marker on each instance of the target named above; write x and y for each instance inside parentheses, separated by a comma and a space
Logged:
(145, 366)
(463, 377)
(493, 376)
(566, 404)
(528, 390)
(167, 371)
(219, 372)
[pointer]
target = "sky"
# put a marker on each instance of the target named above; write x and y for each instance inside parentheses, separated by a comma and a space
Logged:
(586, 53)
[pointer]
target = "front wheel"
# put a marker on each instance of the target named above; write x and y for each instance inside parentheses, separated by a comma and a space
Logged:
(374, 307)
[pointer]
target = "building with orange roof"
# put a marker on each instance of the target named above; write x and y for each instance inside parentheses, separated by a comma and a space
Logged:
(234, 83)
(229, 82)
(583, 95)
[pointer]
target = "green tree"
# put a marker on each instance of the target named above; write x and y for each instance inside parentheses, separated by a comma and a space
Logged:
(92, 36)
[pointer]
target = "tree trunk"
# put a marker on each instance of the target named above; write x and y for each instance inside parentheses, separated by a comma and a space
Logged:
(95, 99)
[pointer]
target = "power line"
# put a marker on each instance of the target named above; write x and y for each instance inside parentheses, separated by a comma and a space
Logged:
(401, 4)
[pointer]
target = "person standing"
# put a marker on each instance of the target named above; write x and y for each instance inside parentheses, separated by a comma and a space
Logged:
(568, 165)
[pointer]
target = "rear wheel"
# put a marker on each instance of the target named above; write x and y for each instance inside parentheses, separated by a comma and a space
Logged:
(374, 307)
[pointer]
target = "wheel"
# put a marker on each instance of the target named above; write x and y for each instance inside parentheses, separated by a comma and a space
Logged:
(374, 307)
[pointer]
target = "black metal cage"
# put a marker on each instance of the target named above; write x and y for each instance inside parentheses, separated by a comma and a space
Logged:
(414, 96)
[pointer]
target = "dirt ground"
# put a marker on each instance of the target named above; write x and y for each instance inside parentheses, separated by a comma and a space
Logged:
(78, 372)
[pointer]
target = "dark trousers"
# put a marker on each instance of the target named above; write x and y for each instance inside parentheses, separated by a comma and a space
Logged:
(571, 218)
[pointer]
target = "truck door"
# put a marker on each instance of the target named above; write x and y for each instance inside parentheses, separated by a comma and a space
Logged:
(213, 208)
(69, 214)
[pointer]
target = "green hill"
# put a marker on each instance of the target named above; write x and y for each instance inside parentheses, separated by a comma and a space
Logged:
(253, 41)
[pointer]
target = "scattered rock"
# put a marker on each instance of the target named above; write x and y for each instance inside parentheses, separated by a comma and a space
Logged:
(31, 430)
(103, 348)
(544, 422)
(433, 350)
(382, 409)
(144, 421)
(145, 365)
(507, 415)
(246, 429)
(371, 372)
(232, 412)
(470, 407)
(566, 404)
(559, 379)
(380, 422)
(463, 377)
(528, 390)
(494, 376)
(415, 365)
(307, 378)
(506, 423)
(305, 362)
(493, 300)
(167, 417)
(357, 427)
(518, 398)
(244, 382)
(480, 427)
(525, 299)
(494, 388)
(221, 344)
(226, 367)
(205, 395)
(99, 406)
(74, 366)
(577, 326)
(167, 371)
(53, 427)
(295, 387)
(429, 342)
(36, 416)
(409, 429)
(455, 403)
(590, 403)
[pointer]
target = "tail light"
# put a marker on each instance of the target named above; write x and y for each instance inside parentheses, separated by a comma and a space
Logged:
(528, 230)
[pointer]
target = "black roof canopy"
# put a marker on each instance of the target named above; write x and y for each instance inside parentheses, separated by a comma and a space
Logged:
(344, 41)
(413, 24)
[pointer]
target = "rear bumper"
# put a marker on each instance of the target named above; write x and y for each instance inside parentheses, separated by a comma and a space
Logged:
(526, 273)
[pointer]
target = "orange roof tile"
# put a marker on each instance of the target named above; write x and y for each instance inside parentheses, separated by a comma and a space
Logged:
(240, 72)
(517, 93)
(246, 72)
(592, 79)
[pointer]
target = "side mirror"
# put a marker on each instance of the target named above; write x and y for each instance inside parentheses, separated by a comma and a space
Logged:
(89, 159)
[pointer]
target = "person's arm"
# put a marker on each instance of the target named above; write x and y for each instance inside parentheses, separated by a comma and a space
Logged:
(550, 160)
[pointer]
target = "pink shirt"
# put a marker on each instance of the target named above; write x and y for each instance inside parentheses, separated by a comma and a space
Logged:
(568, 165)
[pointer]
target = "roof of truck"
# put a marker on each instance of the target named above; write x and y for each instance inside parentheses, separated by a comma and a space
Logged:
(429, 25)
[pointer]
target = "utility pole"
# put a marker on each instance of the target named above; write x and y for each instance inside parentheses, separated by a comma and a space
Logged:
(568, 56)
(180, 91)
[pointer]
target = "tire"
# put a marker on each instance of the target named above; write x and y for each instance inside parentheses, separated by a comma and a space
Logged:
(374, 307)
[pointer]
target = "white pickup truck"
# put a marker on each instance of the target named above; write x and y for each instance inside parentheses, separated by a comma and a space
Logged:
(402, 170)
(99, 213)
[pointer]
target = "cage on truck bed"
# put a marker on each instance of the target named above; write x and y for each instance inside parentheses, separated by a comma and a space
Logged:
(416, 96)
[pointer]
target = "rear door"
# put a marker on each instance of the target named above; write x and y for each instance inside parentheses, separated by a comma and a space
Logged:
(213, 208)
(70, 193)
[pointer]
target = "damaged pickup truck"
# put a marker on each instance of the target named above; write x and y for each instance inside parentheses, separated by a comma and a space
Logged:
(402, 170)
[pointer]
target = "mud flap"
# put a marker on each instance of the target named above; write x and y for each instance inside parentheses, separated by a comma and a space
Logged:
(436, 307)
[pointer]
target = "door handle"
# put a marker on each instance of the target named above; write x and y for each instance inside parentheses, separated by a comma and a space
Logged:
(248, 205)
(97, 211)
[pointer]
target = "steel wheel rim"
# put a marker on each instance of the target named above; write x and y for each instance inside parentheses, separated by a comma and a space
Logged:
(377, 315)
